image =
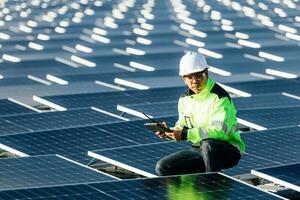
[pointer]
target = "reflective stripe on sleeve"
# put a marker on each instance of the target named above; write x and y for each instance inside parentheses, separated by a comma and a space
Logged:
(203, 133)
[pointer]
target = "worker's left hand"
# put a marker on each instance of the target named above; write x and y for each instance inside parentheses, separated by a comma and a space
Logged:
(175, 134)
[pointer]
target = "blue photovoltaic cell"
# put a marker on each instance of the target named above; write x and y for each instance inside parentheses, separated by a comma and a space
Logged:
(198, 186)
(75, 142)
(286, 175)
(41, 171)
(10, 108)
(272, 117)
(143, 157)
(265, 101)
(58, 120)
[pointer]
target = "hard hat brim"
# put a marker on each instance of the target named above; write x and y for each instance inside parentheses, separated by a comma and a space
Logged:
(192, 72)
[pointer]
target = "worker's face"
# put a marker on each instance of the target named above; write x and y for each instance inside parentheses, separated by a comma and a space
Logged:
(196, 81)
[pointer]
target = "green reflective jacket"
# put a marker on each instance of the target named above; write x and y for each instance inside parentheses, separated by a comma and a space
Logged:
(209, 114)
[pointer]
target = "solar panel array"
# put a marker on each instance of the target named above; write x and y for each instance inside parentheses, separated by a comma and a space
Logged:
(96, 65)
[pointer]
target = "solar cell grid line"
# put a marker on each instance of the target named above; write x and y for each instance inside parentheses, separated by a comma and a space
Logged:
(272, 117)
(61, 119)
(278, 145)
(265, 101)
(10, 108)
(206, 186)
(285, 175)
(41, 171)
(140, 159)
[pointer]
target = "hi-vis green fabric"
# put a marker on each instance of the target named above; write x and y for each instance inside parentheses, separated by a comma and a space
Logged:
(209, 115)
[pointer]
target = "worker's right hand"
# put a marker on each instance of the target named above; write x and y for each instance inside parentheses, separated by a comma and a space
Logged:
(160, 134)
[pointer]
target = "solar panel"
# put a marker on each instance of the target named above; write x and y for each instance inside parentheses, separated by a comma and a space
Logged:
(265, 101)
(248, 162)
(268, 86)
(204, 186)
(158, 94)
(113, 98)
(57, 120)
(286, 175)
(279, 145)
(10, 108)
(41, 171)
(272, 117)
(7, 127)
(75, 142)
(140, 159)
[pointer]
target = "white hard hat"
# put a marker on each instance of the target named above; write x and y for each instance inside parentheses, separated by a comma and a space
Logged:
(192, 62)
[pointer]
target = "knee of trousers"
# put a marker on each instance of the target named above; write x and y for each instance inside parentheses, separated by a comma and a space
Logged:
(161, 168)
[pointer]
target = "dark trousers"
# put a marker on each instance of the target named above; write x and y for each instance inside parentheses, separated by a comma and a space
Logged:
(211, 156)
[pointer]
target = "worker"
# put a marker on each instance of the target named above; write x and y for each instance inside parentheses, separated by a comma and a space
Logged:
(207, 118)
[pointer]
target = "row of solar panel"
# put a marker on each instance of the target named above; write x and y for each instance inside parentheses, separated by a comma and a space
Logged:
(128, 136)
(273, 42)
(208, 186)
(33, 168)
(257, 109)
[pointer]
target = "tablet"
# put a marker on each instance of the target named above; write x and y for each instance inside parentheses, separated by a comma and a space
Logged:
(157, 127)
